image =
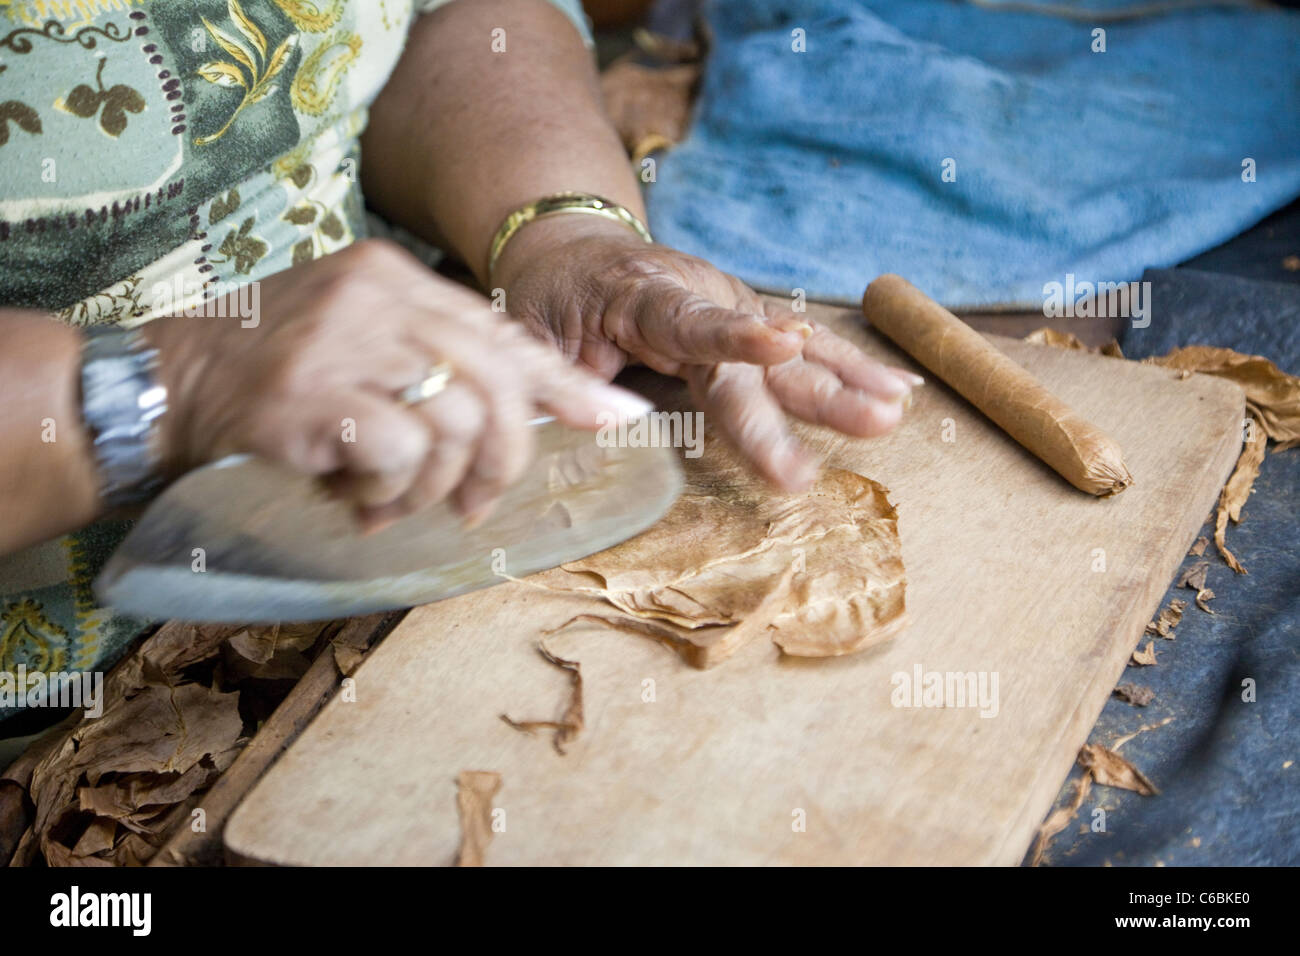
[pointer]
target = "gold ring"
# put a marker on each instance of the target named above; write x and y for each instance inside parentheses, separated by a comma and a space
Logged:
(435, 381)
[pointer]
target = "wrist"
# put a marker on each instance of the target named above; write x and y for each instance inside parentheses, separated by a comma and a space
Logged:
(174, 372)
(544, 237)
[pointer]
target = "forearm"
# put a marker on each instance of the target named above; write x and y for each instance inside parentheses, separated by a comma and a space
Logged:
(48, 479)
(462, 135)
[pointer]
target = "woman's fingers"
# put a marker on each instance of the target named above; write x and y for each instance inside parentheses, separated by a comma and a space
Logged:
(857, 369)
(578, 398)
(675, 324)
(504, 450)
(488, 360)
(817, 395)
(456, 418)
(373, 446)
(739, 402)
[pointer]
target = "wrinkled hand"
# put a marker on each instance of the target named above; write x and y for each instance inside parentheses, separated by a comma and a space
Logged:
(315, 384)
(606, 298)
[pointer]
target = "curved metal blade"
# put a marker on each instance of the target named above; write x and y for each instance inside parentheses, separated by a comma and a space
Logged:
(243, 540)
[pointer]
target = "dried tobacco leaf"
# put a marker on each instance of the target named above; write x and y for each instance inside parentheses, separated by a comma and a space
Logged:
(474, 794)
(1056, 338)
(1145, 658)
(1111, 770)
(1103, 766)
(1068, 340)
(570, 723)
(277, 652)
(1274, 393)
(168, 652)
(820, 571)
(848, 593)
(1273, 400)
(1194, 578)
(106, 789)
(1119, 744)
(1238, 488)
(1134, 694)
(1060, 819)
(347, 659)
(1164, 625)
(1199, 547)
(350, 648)
(142, 752)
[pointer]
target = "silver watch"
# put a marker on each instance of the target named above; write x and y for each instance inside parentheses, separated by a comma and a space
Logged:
(122, 399)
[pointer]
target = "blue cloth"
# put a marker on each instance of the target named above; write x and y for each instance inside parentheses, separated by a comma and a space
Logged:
(1228, 769)
(820, 170)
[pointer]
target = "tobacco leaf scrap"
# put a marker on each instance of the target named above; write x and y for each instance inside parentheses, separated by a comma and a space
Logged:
(570, 723)
(1068, 340)
(130, 767)
(475, 790)
(1135, 694)
(1273, 402)
(349, 649)
(1270, 390)
(1163, 626)
(1060, 819)
(820, 572)
(1237, 490)
(1111, 770)
(1198, 548)
(1102, 766)
(1120, 742)
(1145, 658)
(108, 790)
(1194, 578)
(277, 652)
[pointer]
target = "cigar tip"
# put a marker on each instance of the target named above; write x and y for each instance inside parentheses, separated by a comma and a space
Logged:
(883, 283)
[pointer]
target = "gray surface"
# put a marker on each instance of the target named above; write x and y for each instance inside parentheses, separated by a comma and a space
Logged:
(1227, 797)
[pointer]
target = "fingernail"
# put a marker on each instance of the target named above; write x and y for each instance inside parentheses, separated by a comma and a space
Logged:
(475, 505)
(801, 328)
(909, 377)
(892, 388)
(371, 525)
(480, 514)
(627, 404)
(800, 469)
(892, 412)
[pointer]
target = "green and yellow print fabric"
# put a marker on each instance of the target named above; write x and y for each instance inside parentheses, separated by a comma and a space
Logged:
(150, 146)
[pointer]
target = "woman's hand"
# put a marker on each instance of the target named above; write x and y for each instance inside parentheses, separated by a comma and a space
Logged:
(605, 298)
(314, 384)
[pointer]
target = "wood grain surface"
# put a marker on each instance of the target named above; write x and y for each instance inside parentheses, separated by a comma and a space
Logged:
(721, 766)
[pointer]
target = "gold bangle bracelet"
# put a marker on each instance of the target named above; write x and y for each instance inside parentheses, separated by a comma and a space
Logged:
(584, 203)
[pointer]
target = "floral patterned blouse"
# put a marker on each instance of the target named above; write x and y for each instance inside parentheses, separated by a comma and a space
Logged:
(179, 145)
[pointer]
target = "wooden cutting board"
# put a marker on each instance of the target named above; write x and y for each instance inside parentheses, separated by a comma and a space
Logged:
(1011, 572)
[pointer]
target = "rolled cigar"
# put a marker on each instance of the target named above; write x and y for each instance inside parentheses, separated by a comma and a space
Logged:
(1080, 452)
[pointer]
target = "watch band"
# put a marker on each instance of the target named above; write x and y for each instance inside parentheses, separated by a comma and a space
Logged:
(121, 401)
